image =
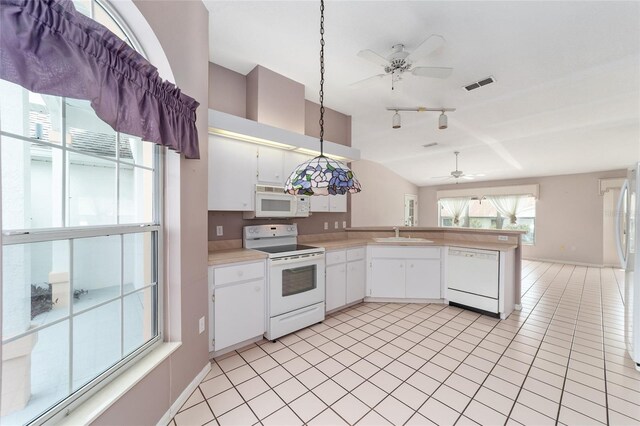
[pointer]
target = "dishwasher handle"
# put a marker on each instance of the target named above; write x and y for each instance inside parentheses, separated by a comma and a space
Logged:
(477, 254)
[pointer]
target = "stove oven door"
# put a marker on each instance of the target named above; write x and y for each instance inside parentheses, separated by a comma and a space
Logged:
(295, 282)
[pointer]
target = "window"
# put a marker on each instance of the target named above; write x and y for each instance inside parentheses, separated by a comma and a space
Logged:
(483, 214)
(80, 244)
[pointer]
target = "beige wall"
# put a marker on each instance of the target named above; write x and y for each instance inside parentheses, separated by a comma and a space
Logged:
(227, 90)
(569, 215)
(275, 100)
(337, 126)
(381, 202)
(232, 86)
(185, 240)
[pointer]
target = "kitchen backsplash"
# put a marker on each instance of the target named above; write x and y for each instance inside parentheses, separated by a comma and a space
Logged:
(233, 222)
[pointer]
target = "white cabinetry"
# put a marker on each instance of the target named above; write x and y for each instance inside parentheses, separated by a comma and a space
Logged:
(356, 274)
(329, 203)
(271, 166)
(345, 277)
(237, 311)
(231, 161)
(405, 272)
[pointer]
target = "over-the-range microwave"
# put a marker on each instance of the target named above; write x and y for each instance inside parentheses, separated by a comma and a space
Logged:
(271, 201)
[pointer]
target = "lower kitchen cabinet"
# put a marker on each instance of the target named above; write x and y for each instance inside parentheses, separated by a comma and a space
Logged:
(422, 278)
(237, 311)
(345, 277)
(405, 272)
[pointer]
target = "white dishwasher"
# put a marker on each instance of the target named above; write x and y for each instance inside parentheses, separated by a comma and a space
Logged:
(473, 279)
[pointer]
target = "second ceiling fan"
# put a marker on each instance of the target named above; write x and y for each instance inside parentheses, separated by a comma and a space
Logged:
(400, 61)
(457, 174)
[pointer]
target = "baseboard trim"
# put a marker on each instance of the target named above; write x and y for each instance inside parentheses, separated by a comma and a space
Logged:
(186, 393)
(568, 262)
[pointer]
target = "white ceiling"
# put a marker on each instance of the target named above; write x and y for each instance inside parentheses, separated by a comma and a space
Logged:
(566, 97)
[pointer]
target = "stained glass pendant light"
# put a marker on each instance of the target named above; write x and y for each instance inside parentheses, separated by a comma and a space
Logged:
(322, 175)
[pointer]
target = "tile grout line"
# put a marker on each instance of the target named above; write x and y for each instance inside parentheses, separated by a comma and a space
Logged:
(370, 409)
(526, 375)
(604, 352)
(508, 416)
(573, 338)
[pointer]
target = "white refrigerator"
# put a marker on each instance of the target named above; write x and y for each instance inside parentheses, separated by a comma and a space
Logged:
(627, 236)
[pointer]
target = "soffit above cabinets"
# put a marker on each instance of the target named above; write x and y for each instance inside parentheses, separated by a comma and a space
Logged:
(251, 131)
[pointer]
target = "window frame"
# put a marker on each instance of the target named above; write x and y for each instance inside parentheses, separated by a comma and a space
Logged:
(155, 228)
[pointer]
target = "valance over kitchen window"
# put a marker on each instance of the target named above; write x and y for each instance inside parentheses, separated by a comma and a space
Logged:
(48, 47)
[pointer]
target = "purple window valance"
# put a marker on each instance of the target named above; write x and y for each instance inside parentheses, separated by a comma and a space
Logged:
(48, 47)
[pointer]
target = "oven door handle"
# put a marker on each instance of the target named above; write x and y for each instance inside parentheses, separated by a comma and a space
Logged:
(311, 259)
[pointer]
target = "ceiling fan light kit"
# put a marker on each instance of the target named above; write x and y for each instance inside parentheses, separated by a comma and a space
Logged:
(400, 61)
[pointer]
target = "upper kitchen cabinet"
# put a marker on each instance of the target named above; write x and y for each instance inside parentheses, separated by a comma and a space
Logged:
(271, 166)
(330, 203)
(232, 174)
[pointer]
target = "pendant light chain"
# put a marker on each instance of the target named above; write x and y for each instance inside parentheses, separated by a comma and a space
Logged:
(322, 175)
(321, 121)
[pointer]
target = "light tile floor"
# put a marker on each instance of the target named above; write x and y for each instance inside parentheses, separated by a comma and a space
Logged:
(561, 359)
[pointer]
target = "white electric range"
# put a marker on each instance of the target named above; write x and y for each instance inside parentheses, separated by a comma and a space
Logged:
(295, 278)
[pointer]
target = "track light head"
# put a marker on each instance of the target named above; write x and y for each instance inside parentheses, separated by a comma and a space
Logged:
(442, 121)
(396, 122)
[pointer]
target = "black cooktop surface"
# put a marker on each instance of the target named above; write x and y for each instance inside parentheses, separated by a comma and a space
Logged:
(285, 248)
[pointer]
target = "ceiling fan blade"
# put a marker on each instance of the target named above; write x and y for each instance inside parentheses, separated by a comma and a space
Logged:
(428, 46)
(372, 56)
(467, 177)
(433, 72)
(441, 177)
(367, 80)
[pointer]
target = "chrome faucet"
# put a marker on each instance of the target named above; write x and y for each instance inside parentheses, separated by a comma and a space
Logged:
(397, 230)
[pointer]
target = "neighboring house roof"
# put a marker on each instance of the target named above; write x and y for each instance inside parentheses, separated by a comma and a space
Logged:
(82, 140)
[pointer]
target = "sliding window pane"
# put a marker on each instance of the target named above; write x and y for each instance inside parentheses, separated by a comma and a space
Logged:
(39, 362)
(137, 261)
(134, 150)
(31, 185)
(29, 114)
(86, 132)
(139, 318)
(96, 270)
(91, 190)
(96, 342)
(35, 285)
(136, 195)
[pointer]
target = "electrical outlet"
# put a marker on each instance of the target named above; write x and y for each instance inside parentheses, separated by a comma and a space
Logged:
(201, 325)
(503, 238)
(335, 225)
(326, 226)
(344, 223)
(219, 230)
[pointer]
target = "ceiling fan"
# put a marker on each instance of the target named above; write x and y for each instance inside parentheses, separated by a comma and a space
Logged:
(457, 174)
(399, 61)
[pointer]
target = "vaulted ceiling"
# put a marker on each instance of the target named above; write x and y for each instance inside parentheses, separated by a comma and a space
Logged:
(566, 97)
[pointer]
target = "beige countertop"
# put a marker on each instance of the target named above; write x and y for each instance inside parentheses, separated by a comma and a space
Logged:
(359, 242)
(221, 257)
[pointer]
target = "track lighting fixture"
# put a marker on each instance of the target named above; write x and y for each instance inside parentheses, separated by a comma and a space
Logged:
(443, 120)
(396, 122)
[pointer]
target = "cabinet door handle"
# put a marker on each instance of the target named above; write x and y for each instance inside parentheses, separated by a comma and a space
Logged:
(402, 266)
(411, 266)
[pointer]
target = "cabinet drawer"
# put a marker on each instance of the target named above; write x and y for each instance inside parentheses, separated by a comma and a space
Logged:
(406, 252)
(335, 256)
(236, 273)
(355, 253)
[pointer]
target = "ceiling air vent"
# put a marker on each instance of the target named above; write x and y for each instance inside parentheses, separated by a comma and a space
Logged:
(428, 145)
(479, 83)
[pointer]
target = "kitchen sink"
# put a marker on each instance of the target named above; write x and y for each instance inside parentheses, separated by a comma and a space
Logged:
(402, 240)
